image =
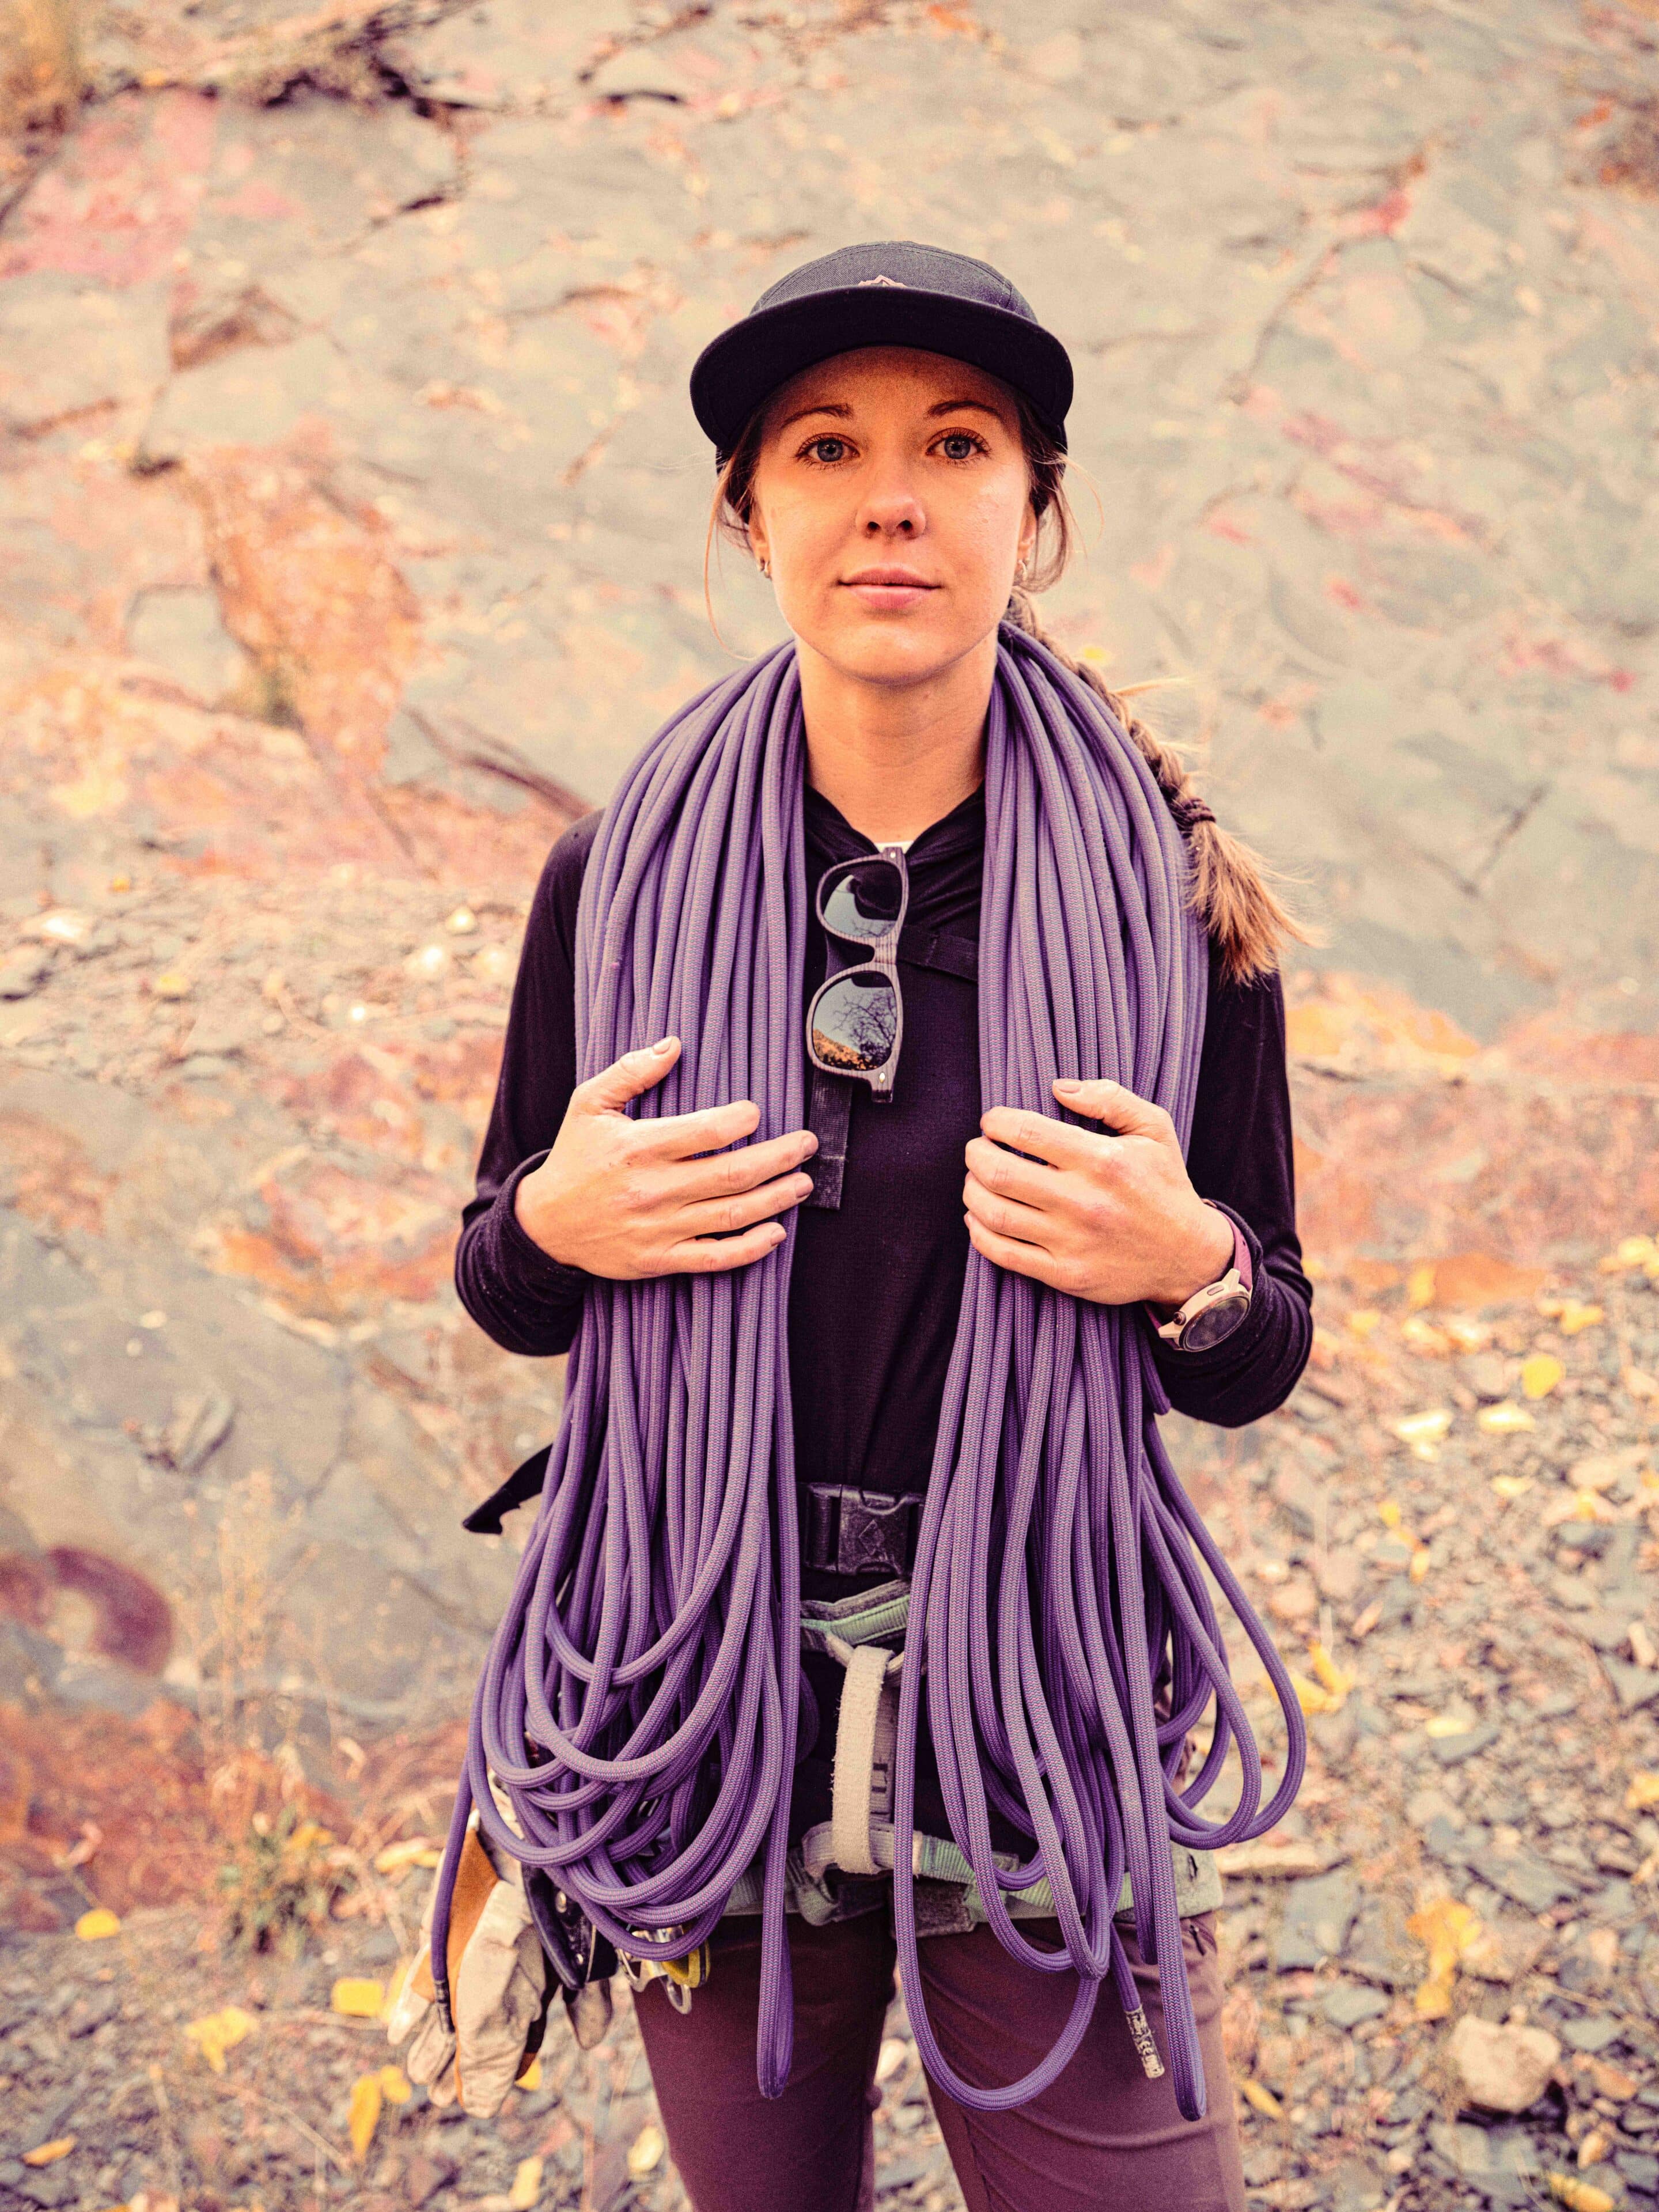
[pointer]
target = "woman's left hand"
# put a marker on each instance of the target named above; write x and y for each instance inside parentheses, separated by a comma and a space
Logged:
(1113, 1218)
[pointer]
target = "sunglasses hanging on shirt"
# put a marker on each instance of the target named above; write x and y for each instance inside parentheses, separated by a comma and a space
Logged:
(855, 1023)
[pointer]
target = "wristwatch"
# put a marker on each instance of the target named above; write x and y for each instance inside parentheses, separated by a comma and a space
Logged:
(1215, 1311)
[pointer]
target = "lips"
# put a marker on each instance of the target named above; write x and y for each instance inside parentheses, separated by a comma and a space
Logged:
(888, 590)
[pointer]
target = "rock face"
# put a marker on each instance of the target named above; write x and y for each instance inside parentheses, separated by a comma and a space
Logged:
(1505, 2068)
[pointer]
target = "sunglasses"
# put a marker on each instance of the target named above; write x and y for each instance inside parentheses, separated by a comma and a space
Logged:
(856, 1020)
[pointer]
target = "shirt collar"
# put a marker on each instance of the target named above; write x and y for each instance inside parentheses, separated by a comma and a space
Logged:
(829, 830)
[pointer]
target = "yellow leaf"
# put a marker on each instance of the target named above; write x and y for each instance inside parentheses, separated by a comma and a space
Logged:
(527, 2184)
(1423, 1337)
(1574, 1318)
(1579, 2196)
(95, 1926)
(1504, 1420)
(1449, 1930)
(394, 2085)
(646, 2151)
(48, 2154)
(1643, 1792)
(1362, 1321)
(1338, 1683)
(1540, 1374)
(1311, 1695)
(1467, 1335)
(363, 2113)
(1419, 1565)
(1388, 1514)
(1423, 1428)
(1630, 1252)
(1261, 2099)
(530, 2079)
(217, 2032)
(358, 1999)
(1432, 2000)
(170, 984)
(1445, 1724)
(1511, 1485)
(1419, 1286)
(415, 1851)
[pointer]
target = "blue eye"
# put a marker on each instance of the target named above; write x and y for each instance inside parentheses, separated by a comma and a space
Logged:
(965, 440)
(827, 439)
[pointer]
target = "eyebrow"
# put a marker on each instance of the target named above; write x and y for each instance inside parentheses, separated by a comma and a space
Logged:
(839, 409)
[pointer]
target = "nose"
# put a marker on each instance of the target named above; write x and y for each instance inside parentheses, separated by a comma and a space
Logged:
(891, 509)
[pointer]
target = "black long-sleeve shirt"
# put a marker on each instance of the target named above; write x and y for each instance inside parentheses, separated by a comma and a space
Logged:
(877, 1281)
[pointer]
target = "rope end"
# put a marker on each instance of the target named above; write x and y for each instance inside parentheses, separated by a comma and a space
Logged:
(1140, 2034)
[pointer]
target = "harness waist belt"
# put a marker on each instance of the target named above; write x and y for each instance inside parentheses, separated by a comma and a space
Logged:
(856, 1532)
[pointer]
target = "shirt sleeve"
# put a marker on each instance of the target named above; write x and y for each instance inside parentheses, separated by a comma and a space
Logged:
(516, 1293)
(1240, 1157)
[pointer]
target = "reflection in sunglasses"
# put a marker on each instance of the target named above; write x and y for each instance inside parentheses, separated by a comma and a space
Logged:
(855, 1022)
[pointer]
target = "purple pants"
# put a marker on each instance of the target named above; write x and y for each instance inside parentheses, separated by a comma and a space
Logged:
(1103, 2134)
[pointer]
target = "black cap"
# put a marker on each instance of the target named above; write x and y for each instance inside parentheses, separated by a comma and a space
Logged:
(893, 292)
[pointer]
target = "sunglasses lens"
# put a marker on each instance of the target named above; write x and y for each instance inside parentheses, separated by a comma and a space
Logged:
(855, 1023)
(864, 903)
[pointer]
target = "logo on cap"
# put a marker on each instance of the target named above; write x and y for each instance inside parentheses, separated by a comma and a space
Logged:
(897, 284)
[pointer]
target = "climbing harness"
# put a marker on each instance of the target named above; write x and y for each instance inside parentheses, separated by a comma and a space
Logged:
(640, 1703)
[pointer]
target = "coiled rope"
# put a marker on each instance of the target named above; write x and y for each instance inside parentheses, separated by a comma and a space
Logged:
(638, 1707)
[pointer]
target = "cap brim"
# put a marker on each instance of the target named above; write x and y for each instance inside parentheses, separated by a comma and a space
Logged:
(746, 363)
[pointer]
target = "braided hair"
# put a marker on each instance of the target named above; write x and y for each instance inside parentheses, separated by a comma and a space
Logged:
(1232, 890)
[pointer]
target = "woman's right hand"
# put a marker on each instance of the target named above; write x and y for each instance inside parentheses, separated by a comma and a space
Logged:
(626, 1199)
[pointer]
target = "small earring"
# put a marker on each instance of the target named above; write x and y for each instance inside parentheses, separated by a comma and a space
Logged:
(765, 569)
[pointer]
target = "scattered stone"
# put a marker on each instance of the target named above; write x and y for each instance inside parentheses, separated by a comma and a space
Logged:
(1356, 2186)
(1348, 2005)
(1341, 1576)
(1318, 1914)
(1453, 1750)
(1591, 2032)
(1633, 1686)
(22, 974)
(1505, 2068)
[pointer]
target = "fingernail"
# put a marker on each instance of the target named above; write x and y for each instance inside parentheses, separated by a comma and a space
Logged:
(811, 1145)
(1068, 1083)
(665, 1044)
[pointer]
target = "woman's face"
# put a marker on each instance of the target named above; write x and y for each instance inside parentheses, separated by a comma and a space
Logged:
(892, 502)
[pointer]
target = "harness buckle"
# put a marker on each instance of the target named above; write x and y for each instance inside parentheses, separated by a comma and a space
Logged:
(855, 1532)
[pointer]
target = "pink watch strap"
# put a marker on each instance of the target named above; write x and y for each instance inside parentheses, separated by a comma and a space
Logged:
(1241, 1247)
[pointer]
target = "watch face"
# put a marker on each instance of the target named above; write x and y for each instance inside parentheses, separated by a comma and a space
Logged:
(1217, 1320)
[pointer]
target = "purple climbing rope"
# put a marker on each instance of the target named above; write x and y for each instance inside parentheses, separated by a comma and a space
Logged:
(639, 1705)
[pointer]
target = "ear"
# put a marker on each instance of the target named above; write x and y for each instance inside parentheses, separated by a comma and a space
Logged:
(1028, 536)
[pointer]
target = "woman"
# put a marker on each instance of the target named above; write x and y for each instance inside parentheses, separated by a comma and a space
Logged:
(889, 426)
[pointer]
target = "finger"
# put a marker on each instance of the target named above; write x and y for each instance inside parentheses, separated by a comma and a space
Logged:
(1007, 1252)
(1120, 1107)
(1007, 1216)
(714, 1255)
(1010, 1176)
(745, 1169)
(1044, 1136)
(684, 1136)
(718, 1217)
(610, 1090)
